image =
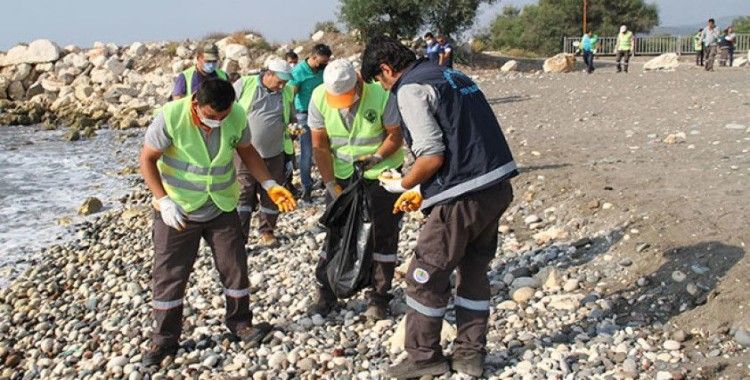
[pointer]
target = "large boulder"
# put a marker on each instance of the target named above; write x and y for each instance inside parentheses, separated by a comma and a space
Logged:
(740, 62)
(52, 84)
(114, 66)
(235, 51)
(668, 61)
(22, 72)
(509, 66)
(317, 36)
(39, 51)
(16, 91)
(137, 49)
(561, 63)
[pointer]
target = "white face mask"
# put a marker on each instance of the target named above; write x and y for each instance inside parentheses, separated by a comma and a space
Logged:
(209, 122)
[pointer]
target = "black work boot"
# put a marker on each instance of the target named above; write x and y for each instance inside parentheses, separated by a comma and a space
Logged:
(324, 304)
(253, 335)
(156, 354)
(468, 363)
(408, 369)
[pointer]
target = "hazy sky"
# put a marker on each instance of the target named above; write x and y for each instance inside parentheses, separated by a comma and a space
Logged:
(82, 22)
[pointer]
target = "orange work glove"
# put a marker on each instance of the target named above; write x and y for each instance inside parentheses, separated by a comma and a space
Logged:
(409, 201)
(283, 199)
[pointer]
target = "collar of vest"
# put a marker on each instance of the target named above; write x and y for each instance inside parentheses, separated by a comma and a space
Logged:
(406, 71)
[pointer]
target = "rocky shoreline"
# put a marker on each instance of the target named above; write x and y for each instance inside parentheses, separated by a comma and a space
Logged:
(565, 303)
(82, 310)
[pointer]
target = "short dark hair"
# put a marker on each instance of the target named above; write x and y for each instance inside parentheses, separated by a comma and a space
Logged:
(322, 50)
(712, 21)
(217, 93)
(291, 54)
(385, 50)
(428, 35)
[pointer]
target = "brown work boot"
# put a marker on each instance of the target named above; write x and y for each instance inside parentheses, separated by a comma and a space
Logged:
(267, 239)
(324, 304)
(468, 362)
(156, 354)
(253, 335)
(408, 369)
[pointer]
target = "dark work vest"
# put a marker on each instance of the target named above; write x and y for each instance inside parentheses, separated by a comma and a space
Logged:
(476, 154)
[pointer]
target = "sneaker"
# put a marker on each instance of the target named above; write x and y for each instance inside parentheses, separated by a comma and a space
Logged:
(253, 335)
(408, 369)
(267, 239)
(156, 354)
(323, 305)
(470, 363)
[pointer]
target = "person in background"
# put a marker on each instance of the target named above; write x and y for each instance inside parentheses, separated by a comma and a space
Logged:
(723, 48)
(698, 46)
(731, 39)
(306, 76)
(461, 181)
(268, 103)
(354, 121)
(291, 58)
(206, 67)
(711, 40)
(432, 51)
(187, 162)
(587, 47)
(445, 52)
(290, 162)
(624, 48)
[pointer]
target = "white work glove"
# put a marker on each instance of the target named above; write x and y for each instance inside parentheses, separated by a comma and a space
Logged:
(171, 213)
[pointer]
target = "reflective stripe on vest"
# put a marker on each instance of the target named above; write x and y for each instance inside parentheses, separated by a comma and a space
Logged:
(190, 177)
(366, 134)
(188, 73)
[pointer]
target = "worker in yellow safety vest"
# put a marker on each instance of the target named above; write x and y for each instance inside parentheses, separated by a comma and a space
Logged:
(624, 48)
(187, 162)
(354, 121)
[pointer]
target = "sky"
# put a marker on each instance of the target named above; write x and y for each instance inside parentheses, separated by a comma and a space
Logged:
(82, 22)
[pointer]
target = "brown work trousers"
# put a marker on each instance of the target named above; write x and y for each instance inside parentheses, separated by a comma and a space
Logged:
(623, 60)
(252, 196)
(712, 50)
(385, 230)
(174, 255)
(459, 235)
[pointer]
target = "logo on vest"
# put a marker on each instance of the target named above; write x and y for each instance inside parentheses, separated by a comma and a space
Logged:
(370, 115)
(421, 276)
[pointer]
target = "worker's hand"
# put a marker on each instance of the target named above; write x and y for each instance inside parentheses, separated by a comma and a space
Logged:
(408, 201)
(371, 160)
(171, 213)
(392, 185)
(295, 129)
(334, 190)
(280, 196)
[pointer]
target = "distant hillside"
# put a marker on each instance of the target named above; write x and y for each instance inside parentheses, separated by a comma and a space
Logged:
(682, 30)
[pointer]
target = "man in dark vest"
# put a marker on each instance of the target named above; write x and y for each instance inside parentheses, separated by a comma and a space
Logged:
(461, 180)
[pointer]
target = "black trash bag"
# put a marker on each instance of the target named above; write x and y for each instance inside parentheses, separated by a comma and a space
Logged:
(349, 239)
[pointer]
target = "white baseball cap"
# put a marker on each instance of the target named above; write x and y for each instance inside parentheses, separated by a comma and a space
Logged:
(281, 68)
(340, 80)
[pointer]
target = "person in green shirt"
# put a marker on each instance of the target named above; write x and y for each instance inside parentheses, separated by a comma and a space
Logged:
(306, 76)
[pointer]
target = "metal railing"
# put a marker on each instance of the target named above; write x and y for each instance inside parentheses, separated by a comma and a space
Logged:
(653, 45)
